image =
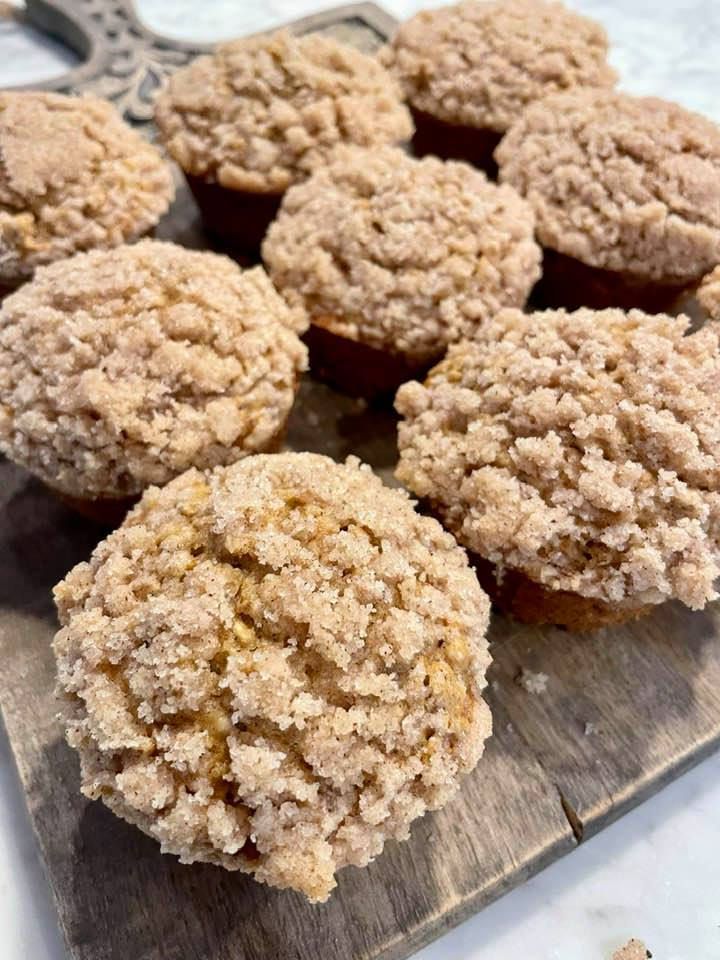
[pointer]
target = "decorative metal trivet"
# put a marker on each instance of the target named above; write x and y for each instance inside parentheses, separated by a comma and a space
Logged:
(124, 61)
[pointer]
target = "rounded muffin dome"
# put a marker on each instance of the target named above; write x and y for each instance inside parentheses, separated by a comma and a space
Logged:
(480, 64)
(582, 449)
(629, 184)
(73, 176)
(287, 673)
(402, 254)
(260, 113)
(122, 368)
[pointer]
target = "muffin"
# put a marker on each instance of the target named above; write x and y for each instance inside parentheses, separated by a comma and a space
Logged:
(122, 368)
(287, 674)
(626, 191)
(73, 177)
(260, 113)
(577, 455)
(394, 258)
(708, 294)
(469, 70)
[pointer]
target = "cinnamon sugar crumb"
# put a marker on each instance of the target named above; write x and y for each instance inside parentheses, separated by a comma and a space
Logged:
(73, 176)
(532, 682)
(260, 113)
(708, 294)
(275, 667)
(402, 254)
(633, 950)
(122, 368)
(480, 64)
(580, 448)
(630, 184)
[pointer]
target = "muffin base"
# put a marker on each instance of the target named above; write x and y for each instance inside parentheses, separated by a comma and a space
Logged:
(106, 511)
(356, 368)
(530, 602)
(238, 218)
(8, 286)
(451, 141)
(566, 282)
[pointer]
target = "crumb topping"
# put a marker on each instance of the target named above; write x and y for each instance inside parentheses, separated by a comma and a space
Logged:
(481, 64)
(535, 683)
(73, 176)
(122, 368)
(580, 448)
(633, 950)
(402, 254)
(275, 667)
(623, 183)
(260, 113)
(708, 294)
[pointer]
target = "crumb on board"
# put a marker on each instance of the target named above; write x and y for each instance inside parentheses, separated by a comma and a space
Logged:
(633, 950)
(532, 682)
(590, 729)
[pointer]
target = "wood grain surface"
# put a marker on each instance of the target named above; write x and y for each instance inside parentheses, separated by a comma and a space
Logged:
(624, 710)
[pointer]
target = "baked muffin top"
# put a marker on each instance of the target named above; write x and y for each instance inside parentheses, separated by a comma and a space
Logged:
(480, 64)
(582, 449)
(261, 112)
(629, 184)
(402, 254)
(285, 674)
(73, 176)
(122, 368)
(709, 294)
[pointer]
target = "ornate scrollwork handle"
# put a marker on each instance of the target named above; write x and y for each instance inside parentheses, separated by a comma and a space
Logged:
(125, 61)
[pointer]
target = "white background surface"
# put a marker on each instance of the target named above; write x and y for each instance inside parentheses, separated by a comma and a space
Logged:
(656, 873)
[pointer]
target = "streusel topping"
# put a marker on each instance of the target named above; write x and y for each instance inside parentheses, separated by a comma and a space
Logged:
(623, 183)
(580, 448)
(122, 368)
(709, 294)
(480, 64)
(73, 176)
(275, 667)
(260, 113)
(402, 254)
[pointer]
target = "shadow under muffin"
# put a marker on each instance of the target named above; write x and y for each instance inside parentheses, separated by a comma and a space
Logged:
(455, 141)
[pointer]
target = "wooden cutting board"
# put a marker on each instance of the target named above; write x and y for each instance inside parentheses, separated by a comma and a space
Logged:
(624, 711)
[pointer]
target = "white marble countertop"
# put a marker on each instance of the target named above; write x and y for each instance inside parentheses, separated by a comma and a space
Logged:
(655, 874)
